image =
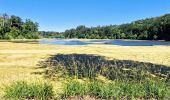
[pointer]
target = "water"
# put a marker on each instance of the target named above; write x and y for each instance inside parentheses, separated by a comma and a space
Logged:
(137, 43)
(62, 42)
(104, 42)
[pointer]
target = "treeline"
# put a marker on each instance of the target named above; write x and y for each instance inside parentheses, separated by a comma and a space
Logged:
(13, 27)
(51, 34)
(157, 28)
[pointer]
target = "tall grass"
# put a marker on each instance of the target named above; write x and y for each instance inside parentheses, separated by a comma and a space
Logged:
(147, 89)
(129, 79)
(75, 88)
(89, 66)
(24, 90)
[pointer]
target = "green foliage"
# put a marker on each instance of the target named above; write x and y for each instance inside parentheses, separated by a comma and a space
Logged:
(149, 29)
(74, 88)
(16, 21)
(13, 34)
(51, 34)
(23, 90)
(12, 27)
(118, 89)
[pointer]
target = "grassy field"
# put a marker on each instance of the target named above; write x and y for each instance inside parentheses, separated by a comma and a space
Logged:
(19, 60)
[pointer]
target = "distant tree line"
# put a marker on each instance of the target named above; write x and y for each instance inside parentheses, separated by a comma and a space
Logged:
(13, 27)
(51, 34)
(157, 28)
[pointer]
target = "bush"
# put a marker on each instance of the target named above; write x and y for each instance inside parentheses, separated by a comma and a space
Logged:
(23, 90)
(8, 36)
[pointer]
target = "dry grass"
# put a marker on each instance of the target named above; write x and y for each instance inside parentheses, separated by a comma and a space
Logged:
(19, 60)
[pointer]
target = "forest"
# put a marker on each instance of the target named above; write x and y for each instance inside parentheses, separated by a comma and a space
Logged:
(13, 27)
(157, 28)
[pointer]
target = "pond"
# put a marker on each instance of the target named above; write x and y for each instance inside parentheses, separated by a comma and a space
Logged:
(104, 42)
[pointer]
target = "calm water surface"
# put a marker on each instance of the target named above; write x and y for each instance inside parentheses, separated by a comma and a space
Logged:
(104, 42)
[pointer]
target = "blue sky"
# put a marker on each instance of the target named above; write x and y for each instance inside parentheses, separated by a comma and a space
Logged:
(58, 15)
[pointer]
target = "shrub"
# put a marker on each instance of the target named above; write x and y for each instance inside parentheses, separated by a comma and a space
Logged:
(23, 90)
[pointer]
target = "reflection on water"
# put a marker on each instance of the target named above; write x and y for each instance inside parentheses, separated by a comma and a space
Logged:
(103, 42)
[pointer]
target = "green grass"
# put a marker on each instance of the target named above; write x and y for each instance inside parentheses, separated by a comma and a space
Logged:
(147, 89)
(24, 90)
(74, 88)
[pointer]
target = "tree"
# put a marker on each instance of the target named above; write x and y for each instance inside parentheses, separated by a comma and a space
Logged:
(30, 29)
(16, 22)
(12, 27)
(157, 28)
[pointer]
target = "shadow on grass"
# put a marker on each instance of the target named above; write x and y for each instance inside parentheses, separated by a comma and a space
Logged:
(89, 66)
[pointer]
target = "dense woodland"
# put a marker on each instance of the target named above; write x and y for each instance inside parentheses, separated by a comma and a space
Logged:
(13, 27)
(158, 28)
